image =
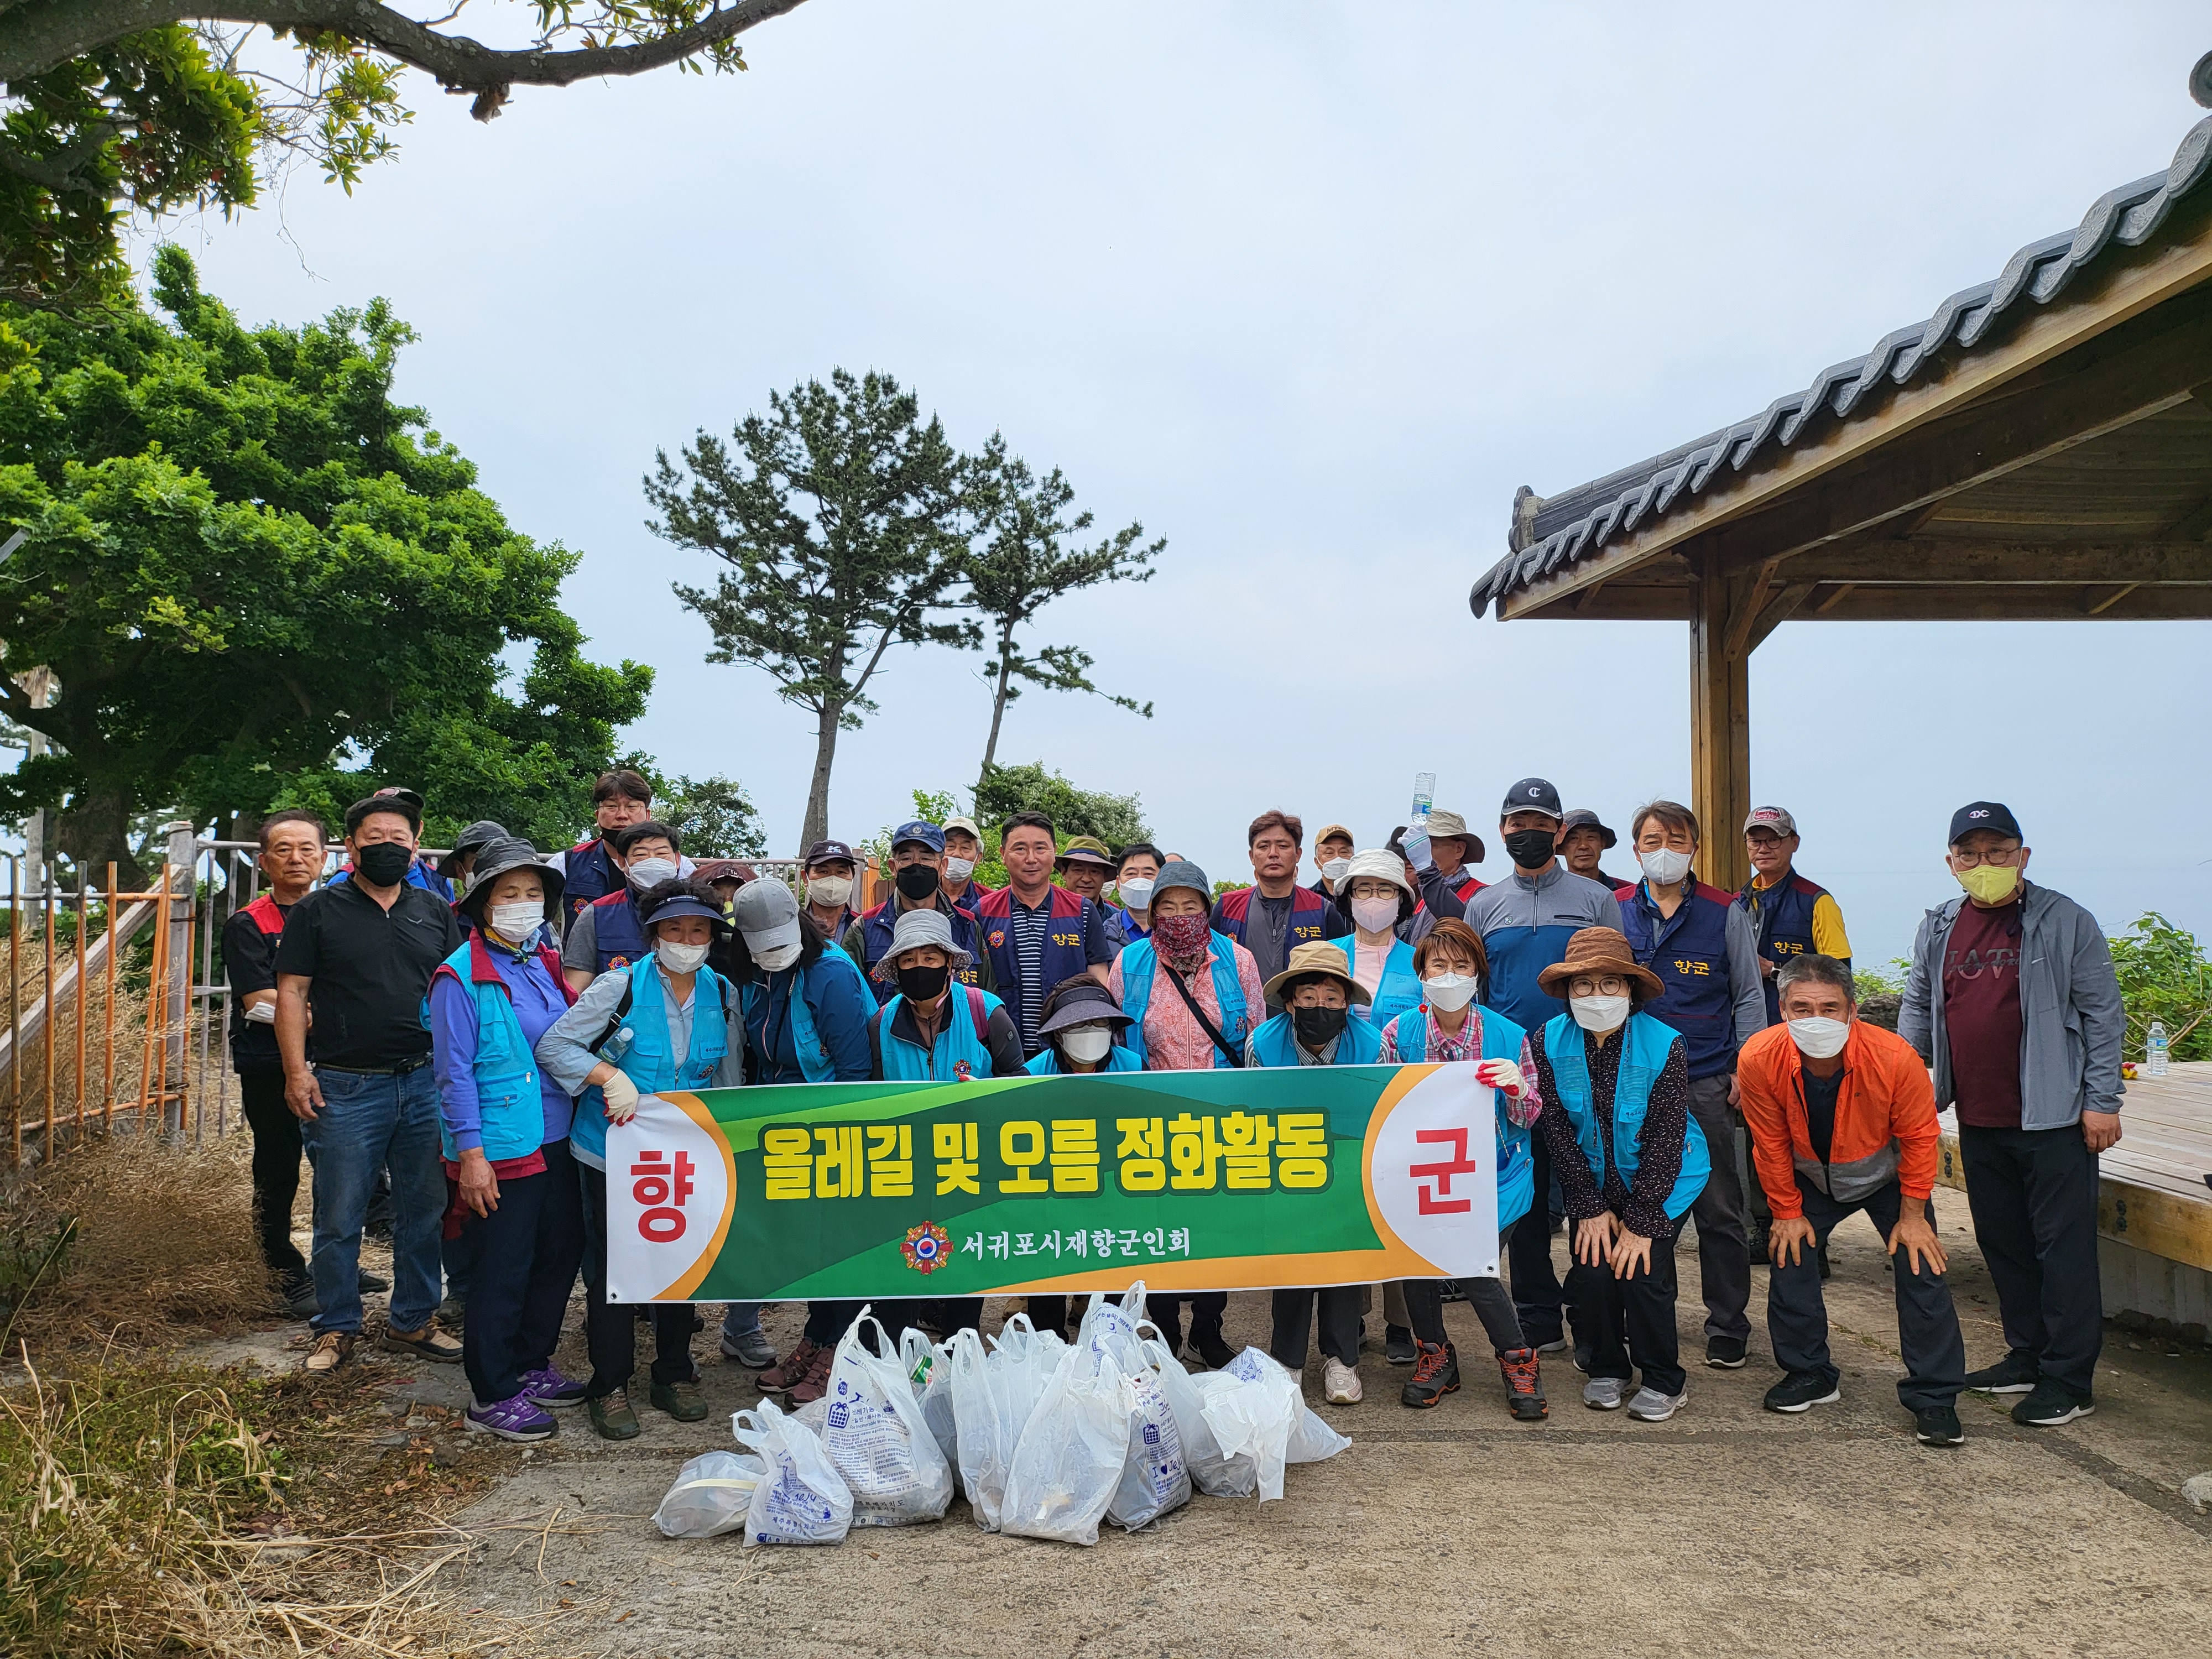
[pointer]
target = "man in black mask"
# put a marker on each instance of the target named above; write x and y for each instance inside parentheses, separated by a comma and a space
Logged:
(917, 882)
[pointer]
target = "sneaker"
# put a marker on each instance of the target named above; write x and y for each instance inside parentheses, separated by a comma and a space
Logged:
(332, 1350)
(816, 1383)
(788, 1373)
(1436, 1374)
(1605, 1394)
(1451, 1290)
(1524, 1385)
(2050, 1404)
(611, 1416)
(1399, 1347)
(1556, 1345)
(1213, 1354)
(1650, 1406)
(1938, 1426)
(518, 1418)
(548, 1387)
(1801, 1391)
(1340, 1382)
(750, 1348)
(2016, 1373)
(681, 1400)
(429, 1343)
(1725, 1352)
(300, 1300)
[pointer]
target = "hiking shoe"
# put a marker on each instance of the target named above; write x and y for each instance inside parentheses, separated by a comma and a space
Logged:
(332, 1350)
(2050, 1405)
(750, 1348)
(816, 1383)
(2016, 1373)
(1399, 1347)
(1213, 1354)
(681, 1400)
(1650, 1406)
(789, 1373)
(548, 1387)
(518, 1418)
(1524, 1385)
(1938, 1426)
(370, 1284)
(1436, 1374)
(1340, 1382)
(1725, 1352)
(429, 1343)
(300, 1300)
(1450, 1290)
(1801, 1391)
(1605, 1394)
(611, 1416)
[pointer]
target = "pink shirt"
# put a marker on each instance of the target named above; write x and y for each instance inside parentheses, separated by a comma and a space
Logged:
(1173, 1040)
(1368, 962)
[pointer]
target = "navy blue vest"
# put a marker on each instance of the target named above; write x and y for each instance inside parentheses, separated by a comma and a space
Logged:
(1309, 917)
(1784, 915)
(1689, 952)
(1064, 955)
(878, 925)
(591, 876)
(617, 932)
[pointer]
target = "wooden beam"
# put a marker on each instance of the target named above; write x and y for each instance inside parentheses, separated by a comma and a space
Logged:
(1832, 600)
(1779, 610)
(2095, 601)
(1744, 601)
(1874, 603)
(1720, 732)
(1949, 564)
(2193, 525)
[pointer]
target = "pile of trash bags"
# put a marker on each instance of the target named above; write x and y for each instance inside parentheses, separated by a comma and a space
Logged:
(1048, 1438)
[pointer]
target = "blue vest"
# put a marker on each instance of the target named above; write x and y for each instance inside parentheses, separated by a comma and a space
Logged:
(591, 876)
(1046, 1063)
(1276, 1042)
(875, 928)
(1138, 963)
(617, 932)
(1308, 922)
(1641, 1061)
(802, 992)
(1689, 952)
(961, 1054)
(1064, 956)
(1784, 917)
(1501, 1040)
(640, 1049)
(510, 1103)
(1401, 989)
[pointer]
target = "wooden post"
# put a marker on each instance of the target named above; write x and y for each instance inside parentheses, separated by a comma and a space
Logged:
(1720, 724)
(183, 862)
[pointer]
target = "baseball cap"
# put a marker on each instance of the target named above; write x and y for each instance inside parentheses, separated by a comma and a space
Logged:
(1340, 831)
(766, 914)
(969, 824)
(1983, 815)
(1532, 795)
(1775, 818)
(681, 903)
(828, 852)
(916, 831)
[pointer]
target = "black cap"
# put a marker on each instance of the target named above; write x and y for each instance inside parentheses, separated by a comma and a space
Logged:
(1983, 815)
(828, 852)
(1532, 795)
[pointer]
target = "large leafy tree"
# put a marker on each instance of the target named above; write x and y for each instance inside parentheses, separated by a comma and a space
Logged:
(254, 582)
(843, 520)
(1117, 820)
(120, 107)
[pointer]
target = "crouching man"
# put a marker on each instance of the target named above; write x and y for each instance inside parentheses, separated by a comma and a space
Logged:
(1842, 1118)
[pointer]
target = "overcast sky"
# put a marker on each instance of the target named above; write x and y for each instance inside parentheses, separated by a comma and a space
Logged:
(1309, 289)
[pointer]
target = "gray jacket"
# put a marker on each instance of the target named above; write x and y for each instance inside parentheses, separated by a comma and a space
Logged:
(2071, 1017)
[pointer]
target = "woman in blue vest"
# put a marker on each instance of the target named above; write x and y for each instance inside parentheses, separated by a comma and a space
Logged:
(1317, 1027)
(1375, 896)
(666, 1022)
(1632, 1160)
(610, 932)
(505, 1125)
(1448, 1028)
(1080, 1023)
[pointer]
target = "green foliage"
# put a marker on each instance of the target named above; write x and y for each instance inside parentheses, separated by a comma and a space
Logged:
(713, 815)
(2164, 976)
(1868, 981)
(1116, 820)
(256, 586)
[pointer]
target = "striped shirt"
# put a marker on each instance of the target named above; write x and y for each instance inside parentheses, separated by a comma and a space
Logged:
(1030, 922)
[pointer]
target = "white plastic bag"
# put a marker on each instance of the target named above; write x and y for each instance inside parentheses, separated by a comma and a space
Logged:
(711, 1496)
(1023, 1358)
(1104, 1317)
(984, 1448)
(1154, 1478)
(1210, 1471)
(1252, 1404)
(927, 1368)
(1069, 1460)
(877, 1439)
(801, 1499)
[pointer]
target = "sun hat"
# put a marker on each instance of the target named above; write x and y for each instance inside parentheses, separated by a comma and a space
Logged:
(1182, 872)
(474, 839)
(678, 904)
(1582, 819)
(1452, 824)
(1081, 1004)
(1381, 863)
(918, 928)
(766, 914)
(496, 860)
(1318, 958)
(1599, 950)
(1087, 848)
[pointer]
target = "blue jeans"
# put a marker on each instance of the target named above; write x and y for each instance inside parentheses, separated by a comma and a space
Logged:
(369, 1122)
(740, 1319)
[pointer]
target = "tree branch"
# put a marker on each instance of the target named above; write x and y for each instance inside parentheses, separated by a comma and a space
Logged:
(44, 34)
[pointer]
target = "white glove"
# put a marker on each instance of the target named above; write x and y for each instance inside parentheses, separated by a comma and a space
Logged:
(1417, 851)
(1502, 1075)
(622, 1097)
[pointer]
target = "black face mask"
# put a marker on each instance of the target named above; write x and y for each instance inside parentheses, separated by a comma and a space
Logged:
(923, 984)
(916, 881)
(1531, 848)
(1316, 1027)
(384, 863)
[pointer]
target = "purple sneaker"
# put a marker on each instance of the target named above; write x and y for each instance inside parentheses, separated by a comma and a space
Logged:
(511, 1419)
(548, 1387)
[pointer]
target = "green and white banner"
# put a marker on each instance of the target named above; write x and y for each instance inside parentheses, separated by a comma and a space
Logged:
(1221, 1180)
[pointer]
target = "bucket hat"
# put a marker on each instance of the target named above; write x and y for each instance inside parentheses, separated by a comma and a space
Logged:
(1182, 872)
(1582, 819)
(1454, 825)
(496, 860)
(474, 839)
(1599, 950)
(917, 928)
(1087, 849)
(1306, 961)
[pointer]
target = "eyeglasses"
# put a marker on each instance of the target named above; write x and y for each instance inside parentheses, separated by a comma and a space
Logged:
(2003, 857)
(1598, 984)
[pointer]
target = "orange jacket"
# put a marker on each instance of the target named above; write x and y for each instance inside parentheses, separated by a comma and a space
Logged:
(1885, 1119)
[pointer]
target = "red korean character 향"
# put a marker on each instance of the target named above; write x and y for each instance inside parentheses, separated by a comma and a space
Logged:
(661, 1190)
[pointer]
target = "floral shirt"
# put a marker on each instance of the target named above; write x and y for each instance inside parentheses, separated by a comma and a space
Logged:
(1173, 1040)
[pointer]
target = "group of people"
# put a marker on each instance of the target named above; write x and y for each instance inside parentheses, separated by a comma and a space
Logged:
(1656, 1049)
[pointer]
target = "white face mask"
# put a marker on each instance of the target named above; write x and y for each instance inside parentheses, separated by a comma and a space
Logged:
(1086, 1044)
(829, 891)
(646, 874)
(1137, 892)
(1598, 1013)
(1335, 869)
(1450, 992)
(1663, 866)
(1376, 916)
(959, 870)
(776, 958)
(518, 919)
(679, 958)
(1822, 1039)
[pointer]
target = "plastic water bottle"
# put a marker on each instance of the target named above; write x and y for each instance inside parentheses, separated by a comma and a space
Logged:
(1424, 797)
(2155, 1047)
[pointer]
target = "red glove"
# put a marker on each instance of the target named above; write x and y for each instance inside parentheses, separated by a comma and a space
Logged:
(1502, 1075)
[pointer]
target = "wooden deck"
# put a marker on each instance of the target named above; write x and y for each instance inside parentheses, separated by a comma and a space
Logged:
(2154, 1196)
